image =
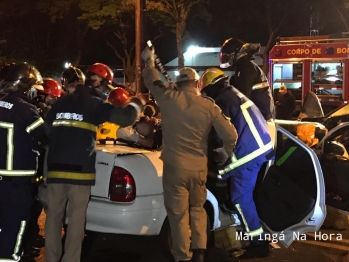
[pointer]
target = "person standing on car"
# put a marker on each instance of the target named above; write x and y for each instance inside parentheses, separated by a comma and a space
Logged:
(21, 128)
(248, 77)
(187, 118)
(253, 148)
(72, 123)
(285, 104)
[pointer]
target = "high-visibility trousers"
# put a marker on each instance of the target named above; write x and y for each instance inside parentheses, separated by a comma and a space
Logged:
(242, 184)
(16, 201)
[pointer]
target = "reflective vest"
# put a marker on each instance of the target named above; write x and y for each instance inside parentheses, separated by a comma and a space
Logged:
(254, 142)
(20, 126)
(74, 119)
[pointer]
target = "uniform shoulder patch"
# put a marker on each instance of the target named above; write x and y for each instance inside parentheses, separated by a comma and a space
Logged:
(209, 98)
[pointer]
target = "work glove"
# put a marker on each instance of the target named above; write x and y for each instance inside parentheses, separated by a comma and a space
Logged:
(148, 55)
(43, 109)
(220, 156)
(139, 103)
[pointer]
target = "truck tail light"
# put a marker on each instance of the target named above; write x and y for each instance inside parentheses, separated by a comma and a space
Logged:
(122, 186)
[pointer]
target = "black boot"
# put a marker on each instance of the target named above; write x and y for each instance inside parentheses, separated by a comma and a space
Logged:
(198, 256)
(256, 250)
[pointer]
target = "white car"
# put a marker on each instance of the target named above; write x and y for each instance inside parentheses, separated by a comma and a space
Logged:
(128, 195)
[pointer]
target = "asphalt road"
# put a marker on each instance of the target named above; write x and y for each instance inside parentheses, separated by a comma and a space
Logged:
(101, 247)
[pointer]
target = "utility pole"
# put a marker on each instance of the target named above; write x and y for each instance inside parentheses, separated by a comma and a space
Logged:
(138, 38)
(313, 31)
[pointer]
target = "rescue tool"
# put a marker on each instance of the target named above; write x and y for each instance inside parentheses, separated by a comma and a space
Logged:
(159, 64)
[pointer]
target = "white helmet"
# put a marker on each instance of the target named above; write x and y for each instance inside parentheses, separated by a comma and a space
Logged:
(187, 73)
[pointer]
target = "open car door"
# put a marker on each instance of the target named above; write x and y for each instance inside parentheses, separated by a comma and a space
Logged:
(290, 198)
(334, 159)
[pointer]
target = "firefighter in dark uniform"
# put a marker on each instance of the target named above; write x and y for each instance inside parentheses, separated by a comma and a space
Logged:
(3, 73)
(73, 122)
(20, 129)
(248, 77)
(71, 77)
(44, 99)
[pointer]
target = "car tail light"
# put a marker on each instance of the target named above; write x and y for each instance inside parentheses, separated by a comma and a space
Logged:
(122, 186)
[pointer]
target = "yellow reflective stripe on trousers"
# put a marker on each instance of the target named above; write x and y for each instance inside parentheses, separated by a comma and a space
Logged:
(246, 158)
(243, 217)
(256, 233)
(9, 260)
(252, 233)
(17, 247)
(10, 147)
(19, 241)
(34, 125)
(260, 85)
(71, 175)
(73, 123)
(17, 172)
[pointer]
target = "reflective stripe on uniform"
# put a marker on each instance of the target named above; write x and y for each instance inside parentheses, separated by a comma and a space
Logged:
(34, 125)
(250, 124)
(247, 158)
(10, 147)
(17, 172)
(256, 232)
(9, 260)
(252, 233)
(77, 124)
(260, 86)
(71, 175)
(243, 217)
(262, 148)
(19, 241)
(16, 257)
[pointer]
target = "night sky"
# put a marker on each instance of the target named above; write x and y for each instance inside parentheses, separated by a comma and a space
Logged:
(48, 44)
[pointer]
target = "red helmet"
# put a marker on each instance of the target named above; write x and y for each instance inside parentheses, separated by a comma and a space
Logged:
(102, 70)
(118, 97)
(51, 87)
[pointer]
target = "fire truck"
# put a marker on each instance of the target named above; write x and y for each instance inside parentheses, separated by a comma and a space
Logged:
(312, 63)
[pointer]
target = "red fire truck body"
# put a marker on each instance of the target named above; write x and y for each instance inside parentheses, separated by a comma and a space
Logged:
(312, 63)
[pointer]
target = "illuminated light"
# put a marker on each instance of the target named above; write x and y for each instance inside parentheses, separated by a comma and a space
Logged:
(193, 50)
(67, 64)
(176, 73)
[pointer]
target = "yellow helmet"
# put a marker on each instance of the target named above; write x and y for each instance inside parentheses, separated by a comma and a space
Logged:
(107, 131)
(210, 77)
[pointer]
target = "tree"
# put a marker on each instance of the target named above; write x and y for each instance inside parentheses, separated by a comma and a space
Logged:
(174, 14)
(269, 17)
(67, 11)
(116, 19)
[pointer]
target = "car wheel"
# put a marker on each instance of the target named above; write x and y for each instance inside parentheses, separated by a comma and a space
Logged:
(166, 237)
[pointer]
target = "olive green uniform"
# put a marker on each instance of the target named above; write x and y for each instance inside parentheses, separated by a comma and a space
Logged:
(187, 118)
